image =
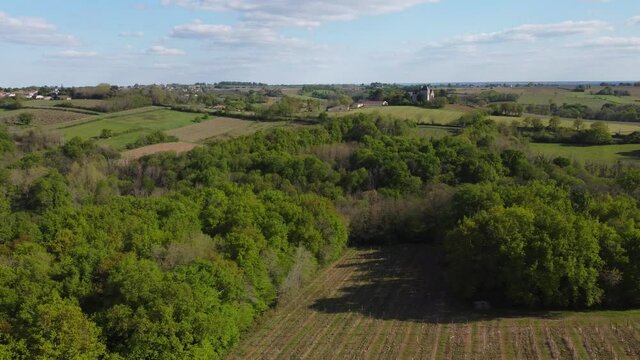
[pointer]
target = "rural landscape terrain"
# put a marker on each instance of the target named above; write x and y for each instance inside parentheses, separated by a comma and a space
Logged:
(297, 179)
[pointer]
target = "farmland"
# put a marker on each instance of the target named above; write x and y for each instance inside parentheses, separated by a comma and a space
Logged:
(614, 127)
(177, 147)
(128, 126)
(542, 95)
(387, 304)
(421, 115)
(42, 117)
(220, 127)
(601, 154)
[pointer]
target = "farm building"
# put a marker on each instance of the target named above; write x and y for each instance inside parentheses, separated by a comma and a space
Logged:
(368, 103)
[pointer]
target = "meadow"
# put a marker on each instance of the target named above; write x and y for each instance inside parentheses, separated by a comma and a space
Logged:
(387, 304)
(128, 126)
(600, 154)
(420, 115)
(614, 127)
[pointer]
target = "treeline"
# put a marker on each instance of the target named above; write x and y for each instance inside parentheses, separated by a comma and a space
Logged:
(488, 97)
(608, 112)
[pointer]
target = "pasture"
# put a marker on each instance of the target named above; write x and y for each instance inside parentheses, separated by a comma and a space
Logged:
(387, 304)
(420, 115)
(128, 126)
(599, 154)
(220, 127)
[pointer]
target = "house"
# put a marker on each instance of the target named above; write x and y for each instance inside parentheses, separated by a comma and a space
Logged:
(39, 97)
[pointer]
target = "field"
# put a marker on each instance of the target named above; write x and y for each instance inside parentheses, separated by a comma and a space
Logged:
(386, 304)
(220, 127)
(542, 95)
(78, 103)
(614, 126)
(178, 147)
(42, 117)
(421, 115)
(603, 154)
(128, 126)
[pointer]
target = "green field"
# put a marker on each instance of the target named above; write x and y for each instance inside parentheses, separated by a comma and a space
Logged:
(614, 126)
(421, 115)
(603, 154)
(543, 95)
(128, 126)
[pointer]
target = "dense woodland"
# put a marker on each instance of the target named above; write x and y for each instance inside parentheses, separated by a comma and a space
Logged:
(174, 257)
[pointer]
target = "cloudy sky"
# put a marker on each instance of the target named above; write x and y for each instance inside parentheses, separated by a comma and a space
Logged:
(80, 42)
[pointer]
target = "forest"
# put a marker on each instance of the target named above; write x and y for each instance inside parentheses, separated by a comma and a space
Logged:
(176, 256)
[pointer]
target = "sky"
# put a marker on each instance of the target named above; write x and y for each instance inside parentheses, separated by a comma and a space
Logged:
(80, 42)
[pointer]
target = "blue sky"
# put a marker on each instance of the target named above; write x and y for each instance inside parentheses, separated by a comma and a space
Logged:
(80, 42)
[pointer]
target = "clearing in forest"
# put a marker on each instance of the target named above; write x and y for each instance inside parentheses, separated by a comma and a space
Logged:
(387, 304)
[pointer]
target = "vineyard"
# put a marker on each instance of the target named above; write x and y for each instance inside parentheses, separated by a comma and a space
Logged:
(386, 304)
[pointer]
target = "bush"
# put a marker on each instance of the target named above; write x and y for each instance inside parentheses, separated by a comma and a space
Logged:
(157, 137)
(25, 119)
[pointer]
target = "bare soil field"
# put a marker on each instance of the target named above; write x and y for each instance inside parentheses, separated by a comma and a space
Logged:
(177, 147)
(42, 117)
(386, 304)
(220, 127)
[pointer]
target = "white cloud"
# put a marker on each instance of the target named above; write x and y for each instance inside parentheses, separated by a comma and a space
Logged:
(32, 31)
(131, 34)
(634, 20)
(74, 54)
(164, 51)
(529, 33)
(239, 36)
(303, 13)
(619, 43)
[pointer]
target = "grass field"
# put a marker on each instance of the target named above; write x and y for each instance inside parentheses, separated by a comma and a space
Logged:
(605, 154)
(614, 127)
(542, 95)
(128, 126)
(42, 117)
(421, 115)
(385, 304)
(220, 127)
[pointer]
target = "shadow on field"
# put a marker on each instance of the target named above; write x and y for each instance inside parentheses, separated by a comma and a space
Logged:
(404, 283)
(631, 154)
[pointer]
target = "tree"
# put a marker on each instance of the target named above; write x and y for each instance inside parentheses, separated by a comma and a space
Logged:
(554, 123)
(62, 331)
(578, 124)
(50, 192)
(106, 133)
